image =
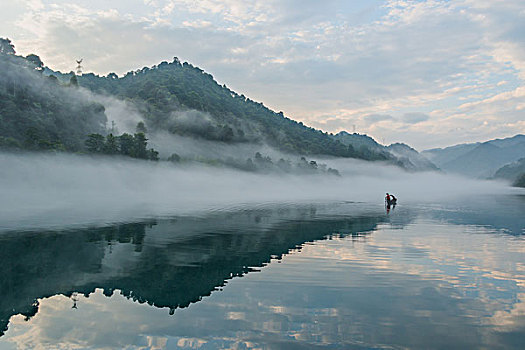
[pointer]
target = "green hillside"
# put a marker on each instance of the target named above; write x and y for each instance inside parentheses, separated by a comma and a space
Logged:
(41, 109)
(39, 113)
(167, 88)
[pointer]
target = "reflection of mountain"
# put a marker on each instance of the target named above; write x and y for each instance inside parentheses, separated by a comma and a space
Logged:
(171, 263)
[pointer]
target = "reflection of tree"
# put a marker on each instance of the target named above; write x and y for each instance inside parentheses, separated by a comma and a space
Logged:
(191, 259)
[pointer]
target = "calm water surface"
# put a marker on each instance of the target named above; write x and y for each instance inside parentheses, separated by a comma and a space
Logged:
(343, 275)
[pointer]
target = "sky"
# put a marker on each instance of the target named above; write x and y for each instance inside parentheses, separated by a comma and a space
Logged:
(428, 73)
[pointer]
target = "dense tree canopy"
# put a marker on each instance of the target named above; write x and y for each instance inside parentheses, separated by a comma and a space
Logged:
(134, 146)
(38, 113)
(6, 47)
(185, 100)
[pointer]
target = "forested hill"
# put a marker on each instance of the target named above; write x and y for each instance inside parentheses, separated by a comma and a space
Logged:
(164, 91)
(46, 109)
(408, 157)
(39, 113)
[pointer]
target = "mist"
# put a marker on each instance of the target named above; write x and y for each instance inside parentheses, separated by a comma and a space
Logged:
(63, 190)
(189, 147)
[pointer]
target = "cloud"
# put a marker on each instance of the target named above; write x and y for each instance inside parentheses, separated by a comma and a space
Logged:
(374, 118)
(414, 118)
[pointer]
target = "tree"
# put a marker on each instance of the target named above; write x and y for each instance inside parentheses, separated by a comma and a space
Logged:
(175, 158)
(127, 145)
(141, 128)
(140, 144)
(32, 138)
(73, 81)
(225, 134)
(95, 143)
(111, 145)
(153, 155)
(6, 47)
(36, 61)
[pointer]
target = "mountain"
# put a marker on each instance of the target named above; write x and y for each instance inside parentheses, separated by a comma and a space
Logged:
(42, 109)
(358, 140)
(511, 171)
(520, 181)
(441, 156)
(405, 155)
(38, 113)
(411, 156)
(186, 101)
(480, 160)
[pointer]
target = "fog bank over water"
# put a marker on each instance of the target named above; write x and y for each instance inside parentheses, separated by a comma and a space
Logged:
(60, 190)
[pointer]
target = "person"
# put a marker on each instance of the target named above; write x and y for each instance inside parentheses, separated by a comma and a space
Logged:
(388, 200)
(393, 200)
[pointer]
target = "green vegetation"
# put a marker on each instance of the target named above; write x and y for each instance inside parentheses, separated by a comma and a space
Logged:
(185, 100)
(38, 113)
(520, 181)
(263, 164)
(45, 110)
(134, 146)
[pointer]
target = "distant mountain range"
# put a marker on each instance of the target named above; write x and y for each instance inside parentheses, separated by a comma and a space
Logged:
(479, 160)
(406, 155)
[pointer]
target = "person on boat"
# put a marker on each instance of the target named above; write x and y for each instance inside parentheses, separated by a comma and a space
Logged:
(393, 200)
(388, 200)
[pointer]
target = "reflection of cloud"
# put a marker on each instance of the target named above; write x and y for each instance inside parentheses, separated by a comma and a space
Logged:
(510, 320)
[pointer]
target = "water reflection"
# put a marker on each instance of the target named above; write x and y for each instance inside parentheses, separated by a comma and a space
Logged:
(169, 263)
(505, 212)
(396, 281)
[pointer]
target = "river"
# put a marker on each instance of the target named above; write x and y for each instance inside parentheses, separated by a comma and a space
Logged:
(335, 275)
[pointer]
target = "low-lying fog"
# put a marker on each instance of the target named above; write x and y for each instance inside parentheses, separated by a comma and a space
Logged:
(60, 190)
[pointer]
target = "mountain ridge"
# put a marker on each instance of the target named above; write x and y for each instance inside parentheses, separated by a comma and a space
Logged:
(480, 159)
(408, 156)
(173, 97)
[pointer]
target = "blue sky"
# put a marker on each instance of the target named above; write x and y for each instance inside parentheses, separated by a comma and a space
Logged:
(428, 73)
